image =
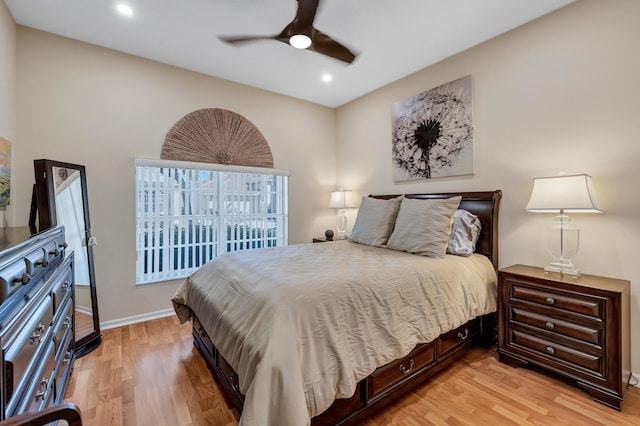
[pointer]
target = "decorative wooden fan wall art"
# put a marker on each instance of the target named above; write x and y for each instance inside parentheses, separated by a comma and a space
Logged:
(214, 135)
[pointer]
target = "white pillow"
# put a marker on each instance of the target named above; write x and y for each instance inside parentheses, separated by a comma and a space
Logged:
(464, 233)
(423, 226)
(375, 221)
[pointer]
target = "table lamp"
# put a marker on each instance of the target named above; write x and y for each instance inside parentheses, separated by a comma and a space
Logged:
(563, 194)
(341, 200)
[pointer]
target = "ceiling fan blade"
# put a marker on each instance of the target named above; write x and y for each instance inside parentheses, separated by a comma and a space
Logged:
(305, 16)
(325, 45)
(244, 39)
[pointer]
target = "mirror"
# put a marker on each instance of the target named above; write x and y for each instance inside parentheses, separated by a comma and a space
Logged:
(60, 198)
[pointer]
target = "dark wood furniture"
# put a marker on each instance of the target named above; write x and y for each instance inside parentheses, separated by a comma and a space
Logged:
(575, 327)
(36, 319)
(69, 412)
(391, 381)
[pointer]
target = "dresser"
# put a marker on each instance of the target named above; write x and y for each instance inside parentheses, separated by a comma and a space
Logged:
(578, 328)
(36, 319)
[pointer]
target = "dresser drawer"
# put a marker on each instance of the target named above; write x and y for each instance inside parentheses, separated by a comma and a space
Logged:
(450, 342)
(554, 351)
(12, 278)
(64, 325)
(62, 288)
(401, 369)
(586, 333)
(21, 356)
(64, 365)
(40, 392)
(572, 302)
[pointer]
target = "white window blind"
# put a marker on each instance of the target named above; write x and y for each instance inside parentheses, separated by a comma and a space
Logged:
(189, 213)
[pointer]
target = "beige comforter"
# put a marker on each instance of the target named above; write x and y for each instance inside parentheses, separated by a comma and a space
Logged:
(302, 324)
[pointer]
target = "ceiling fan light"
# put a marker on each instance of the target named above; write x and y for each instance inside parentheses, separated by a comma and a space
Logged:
(300, 41)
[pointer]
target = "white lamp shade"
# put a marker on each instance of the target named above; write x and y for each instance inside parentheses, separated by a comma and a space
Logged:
(342, 199)
(571, 194)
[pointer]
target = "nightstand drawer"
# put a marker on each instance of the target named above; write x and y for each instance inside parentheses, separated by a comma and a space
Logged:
(594, 335)
(573, 302)
(555, 351)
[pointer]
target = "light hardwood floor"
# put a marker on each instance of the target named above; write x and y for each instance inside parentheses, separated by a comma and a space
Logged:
(150, 374)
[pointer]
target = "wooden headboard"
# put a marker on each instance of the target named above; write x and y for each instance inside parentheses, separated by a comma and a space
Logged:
(485, 205)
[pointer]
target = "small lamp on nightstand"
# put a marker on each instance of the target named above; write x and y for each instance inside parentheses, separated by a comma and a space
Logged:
(342, 199)
(563, 194)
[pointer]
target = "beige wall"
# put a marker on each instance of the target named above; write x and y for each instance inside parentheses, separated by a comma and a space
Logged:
(559, 94)
(7, 91)
(87, 105)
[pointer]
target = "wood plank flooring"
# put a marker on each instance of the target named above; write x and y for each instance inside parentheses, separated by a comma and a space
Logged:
(150, 374)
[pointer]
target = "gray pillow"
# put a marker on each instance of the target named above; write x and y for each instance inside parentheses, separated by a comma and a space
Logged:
(423, 226)
(464, 234)
(375, 221)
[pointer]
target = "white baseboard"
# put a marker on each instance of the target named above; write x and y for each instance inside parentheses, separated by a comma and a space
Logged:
(136, 319)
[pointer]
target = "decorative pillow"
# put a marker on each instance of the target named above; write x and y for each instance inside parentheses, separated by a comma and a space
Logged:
(423, 226)
(464, 233)
(375, 221)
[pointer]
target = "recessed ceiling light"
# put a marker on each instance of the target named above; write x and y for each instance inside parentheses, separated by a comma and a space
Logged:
(124, 9)
(327, 78)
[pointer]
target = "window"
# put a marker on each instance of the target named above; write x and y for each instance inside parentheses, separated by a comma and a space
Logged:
(189, 213)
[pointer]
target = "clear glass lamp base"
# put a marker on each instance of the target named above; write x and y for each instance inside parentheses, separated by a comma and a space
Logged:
(563, 266)
(341, 225)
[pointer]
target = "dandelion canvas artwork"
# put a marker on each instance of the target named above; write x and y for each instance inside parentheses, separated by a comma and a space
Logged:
(433, 133)
(5, 171)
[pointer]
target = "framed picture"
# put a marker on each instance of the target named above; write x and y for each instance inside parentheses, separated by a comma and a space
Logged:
(433, 133)
(5, 172)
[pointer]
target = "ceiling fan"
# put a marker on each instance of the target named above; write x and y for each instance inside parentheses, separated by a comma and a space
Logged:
(301, 34)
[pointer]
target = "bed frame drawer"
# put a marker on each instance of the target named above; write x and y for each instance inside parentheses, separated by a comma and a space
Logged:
(230, 376)
(456, 339)
(201, 338)
(396, 372)
(341, 408)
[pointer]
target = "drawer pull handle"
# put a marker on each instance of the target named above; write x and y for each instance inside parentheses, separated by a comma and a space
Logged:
(44, 262)
(37, 334)
(463, 336)
(550, 350)
(67, 322)
(40, 395)
(24, 279)
(67, 358)
(550, 301)
(406, 370)
(235, 383)
(550, 325)
(65, 285)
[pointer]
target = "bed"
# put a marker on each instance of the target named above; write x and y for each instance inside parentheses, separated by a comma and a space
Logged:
(329, 333)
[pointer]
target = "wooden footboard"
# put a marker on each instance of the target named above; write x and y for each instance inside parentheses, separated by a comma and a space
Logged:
(383, 386)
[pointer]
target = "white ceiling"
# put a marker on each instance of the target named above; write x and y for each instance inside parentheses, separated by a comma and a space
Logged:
(394, 38)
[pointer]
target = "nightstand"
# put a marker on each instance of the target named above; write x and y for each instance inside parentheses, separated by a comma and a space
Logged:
(578, 328)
